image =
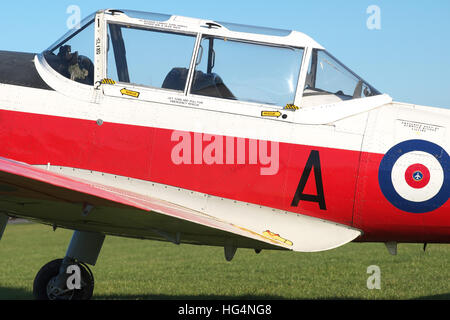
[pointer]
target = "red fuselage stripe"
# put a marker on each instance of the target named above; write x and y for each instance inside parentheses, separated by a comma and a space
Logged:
(350, 191)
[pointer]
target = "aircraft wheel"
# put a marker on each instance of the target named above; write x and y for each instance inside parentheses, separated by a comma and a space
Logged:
(49, 284)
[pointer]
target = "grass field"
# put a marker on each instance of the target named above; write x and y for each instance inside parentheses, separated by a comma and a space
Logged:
(139, 269)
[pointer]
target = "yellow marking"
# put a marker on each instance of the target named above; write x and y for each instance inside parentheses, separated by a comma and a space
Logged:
(271, 114)
(258, 234)
(277, 237)
(130, 93)
(108, 81)
(291, 107)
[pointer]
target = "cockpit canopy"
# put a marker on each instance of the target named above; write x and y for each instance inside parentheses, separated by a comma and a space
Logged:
(198, 57)
(328, 80)
(73, 55)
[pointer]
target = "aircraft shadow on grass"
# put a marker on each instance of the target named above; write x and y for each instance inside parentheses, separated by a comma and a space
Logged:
(444, 296)
(15, 294)
(22, 294)
(186, 297)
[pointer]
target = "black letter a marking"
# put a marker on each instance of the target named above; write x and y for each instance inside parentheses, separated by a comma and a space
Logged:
(313, 161)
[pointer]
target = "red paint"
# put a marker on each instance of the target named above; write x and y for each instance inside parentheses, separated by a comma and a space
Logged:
(412, 180)
(67, 189)
(381, 221)
(350, 178)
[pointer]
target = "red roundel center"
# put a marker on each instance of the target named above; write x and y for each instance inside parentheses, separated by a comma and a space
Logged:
(417, 176)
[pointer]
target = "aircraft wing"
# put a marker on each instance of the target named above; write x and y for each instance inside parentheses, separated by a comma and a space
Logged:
(63, 201)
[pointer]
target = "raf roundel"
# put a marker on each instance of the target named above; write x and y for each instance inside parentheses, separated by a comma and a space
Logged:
(417, 176)
(414, 176)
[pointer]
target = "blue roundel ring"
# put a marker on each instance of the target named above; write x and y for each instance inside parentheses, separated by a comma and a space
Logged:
(385, 180)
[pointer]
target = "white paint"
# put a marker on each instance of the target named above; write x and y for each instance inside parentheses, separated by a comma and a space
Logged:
(308, 234)
(385, 126)
(422, 194)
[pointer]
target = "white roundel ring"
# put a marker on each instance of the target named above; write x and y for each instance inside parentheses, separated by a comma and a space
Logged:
(415, 176)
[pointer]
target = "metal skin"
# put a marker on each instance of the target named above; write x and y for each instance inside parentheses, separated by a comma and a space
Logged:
(101, 159)
(350, 179)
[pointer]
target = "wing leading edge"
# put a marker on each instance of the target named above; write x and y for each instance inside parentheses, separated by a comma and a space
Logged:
(59, 200)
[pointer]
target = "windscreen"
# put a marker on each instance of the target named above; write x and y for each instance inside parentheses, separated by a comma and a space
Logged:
(72, 56)
(329, 81)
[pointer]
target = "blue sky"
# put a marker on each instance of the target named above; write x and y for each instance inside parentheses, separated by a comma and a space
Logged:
(408, 58)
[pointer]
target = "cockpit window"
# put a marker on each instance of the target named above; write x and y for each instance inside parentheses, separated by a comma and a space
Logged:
(151, 58)
(329, 81)
(247, 71)
(73, 56)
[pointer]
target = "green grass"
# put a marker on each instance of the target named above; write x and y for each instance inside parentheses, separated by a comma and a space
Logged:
(139, 269)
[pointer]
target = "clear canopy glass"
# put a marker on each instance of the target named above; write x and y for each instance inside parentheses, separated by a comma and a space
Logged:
(254, 29)
(73, 32)
(330, 81)
(246, 71)
(145, 15)
(233, 69)
(72, 56)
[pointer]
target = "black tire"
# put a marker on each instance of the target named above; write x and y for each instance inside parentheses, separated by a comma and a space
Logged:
(51, 270)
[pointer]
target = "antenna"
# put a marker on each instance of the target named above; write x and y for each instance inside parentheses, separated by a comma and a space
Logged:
(213, 24)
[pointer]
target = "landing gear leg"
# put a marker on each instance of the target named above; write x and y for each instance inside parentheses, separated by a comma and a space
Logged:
(70, 278)
(3, 222)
